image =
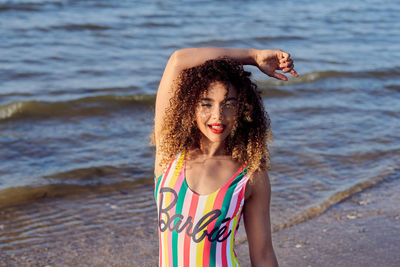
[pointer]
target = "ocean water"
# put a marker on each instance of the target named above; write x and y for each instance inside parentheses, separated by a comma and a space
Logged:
(77, 88)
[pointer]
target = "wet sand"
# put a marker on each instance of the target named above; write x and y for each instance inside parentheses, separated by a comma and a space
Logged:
(363, 230)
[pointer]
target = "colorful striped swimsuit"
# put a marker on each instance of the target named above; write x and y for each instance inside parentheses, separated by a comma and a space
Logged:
(197, 230)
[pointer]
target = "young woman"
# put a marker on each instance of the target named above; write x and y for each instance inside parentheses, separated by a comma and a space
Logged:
(211, 163)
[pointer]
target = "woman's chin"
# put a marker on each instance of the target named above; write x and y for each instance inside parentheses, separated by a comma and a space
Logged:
(216, 138)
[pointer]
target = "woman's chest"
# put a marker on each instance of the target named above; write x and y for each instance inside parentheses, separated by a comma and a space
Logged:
(207, 176)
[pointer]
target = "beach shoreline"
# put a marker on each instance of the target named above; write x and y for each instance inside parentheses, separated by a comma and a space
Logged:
(78, 90)
(362, 230)
(359, 231)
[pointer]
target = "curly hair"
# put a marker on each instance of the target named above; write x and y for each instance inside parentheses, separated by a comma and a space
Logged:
(248, 141)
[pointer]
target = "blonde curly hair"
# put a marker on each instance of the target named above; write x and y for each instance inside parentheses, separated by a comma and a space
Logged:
(248, 141)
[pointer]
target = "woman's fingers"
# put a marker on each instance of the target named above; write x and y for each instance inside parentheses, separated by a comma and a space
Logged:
(279, 76)
(288, 64)
(282, 62)
(294, 73)
(283, 55)
(291, 71)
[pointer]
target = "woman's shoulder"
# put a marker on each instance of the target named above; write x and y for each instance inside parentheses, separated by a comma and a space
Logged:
(160, 169)
(258, 180)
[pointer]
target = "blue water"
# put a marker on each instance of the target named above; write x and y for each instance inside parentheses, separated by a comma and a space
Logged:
(78, 82)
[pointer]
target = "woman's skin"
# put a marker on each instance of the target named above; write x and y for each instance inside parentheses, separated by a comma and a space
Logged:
(208, 167)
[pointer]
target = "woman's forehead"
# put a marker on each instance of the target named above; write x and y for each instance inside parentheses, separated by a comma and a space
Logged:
(217, 90)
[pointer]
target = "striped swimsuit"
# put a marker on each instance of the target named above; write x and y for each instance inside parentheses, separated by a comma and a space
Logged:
(197, 230)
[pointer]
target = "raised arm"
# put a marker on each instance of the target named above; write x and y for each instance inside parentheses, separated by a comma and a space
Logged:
(187, 58)
(268, 61)
(257, 221)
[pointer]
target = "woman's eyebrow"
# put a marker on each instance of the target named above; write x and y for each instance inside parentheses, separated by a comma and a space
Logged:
(226, 99)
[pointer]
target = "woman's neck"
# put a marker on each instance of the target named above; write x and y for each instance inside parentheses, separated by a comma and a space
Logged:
(211, 149)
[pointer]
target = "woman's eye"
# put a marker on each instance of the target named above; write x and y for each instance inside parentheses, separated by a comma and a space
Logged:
(205, 105)
(230, 105)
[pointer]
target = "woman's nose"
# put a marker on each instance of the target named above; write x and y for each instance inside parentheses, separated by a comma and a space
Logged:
(217, 112)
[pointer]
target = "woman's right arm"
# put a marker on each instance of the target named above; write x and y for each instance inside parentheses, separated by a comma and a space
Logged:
(187, 58)
(268, 61)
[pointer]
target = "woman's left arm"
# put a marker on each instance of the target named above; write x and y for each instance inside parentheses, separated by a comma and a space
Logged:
(257, 221)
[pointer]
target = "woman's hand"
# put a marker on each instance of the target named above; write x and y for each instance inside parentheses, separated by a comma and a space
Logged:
(269, 61)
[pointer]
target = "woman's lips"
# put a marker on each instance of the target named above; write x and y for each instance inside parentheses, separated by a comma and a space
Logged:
(216, 128)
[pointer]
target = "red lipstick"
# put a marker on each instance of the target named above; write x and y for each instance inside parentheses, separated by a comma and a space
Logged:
(216, 128)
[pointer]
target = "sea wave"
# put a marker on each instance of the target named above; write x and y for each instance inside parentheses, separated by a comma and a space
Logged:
(393, 87)
(276, 92)
(13, 7)
(100, 104)
(277, 38)
(97, 175)
(152, 24)
(338, 196)
(335, 197)
(88, 106)
(229, 42)
(325, 75)
(218, 42)
(92, 105)
(79, 27)
(27, 194)
(27, 6)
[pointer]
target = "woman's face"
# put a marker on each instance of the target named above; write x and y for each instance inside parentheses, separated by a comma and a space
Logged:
(216, 113)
